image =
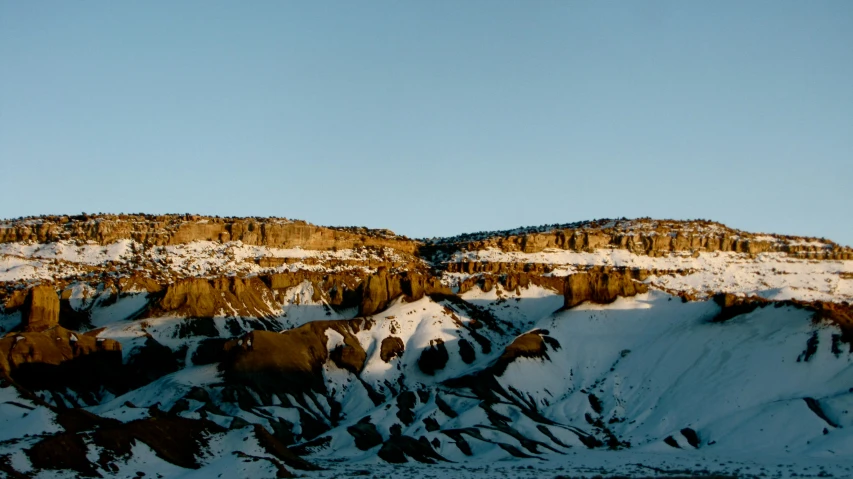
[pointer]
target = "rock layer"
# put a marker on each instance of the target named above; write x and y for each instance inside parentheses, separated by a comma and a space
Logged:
(642, 236)
(178, 229)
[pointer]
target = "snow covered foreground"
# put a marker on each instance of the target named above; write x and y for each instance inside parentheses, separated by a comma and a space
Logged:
(765, 394)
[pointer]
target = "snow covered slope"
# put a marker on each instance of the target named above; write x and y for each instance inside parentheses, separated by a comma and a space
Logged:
(769, 275)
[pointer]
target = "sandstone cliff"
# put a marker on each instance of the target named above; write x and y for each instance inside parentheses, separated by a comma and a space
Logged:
(600, 288)
(179, 229)
(41, 309)
(206, 298)
(644, 236)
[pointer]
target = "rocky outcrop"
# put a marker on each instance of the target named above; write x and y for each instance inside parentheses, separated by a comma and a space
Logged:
(206, 298)
(291, 361)
(399, 449)
(838, 314)
(732, 305)
(176, 229)
(600, 287)
(379, 290)
(391, 347)
(44, 354)
(256, 296)
(382, 288)
(350, 356)
(534, 344)
(58, 357)
(643, 236)
(138, 284)
(50, 347)
(179, 441)
(41, 309)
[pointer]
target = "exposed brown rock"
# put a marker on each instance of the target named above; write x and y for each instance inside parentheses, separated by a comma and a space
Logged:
(392, 347)
(398, 449)
(600, 288)
(290, 361)
(840, 314)
(732, 305)
(382, 288)
(379, 289)
(175, 439)
(204, 298)
(15, 299)
(139, 283)
(349, 356)
(649, 237)
(529, 345)
(41, 309)
(466, 351)
(177, 229)
(51, 357)
(62, 451)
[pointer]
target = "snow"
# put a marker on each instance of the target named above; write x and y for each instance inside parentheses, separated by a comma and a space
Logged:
(143, 458)
(589, 464)
(24, 261)
(20, 269)
(164, 391)
(125, 307)
(90, 254)
(298, 307)
(223, 459)
(81, 295)
(656, 364)
(519, 309)
(19, 416)
(771, 275)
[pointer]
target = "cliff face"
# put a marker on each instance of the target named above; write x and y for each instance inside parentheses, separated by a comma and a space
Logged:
(41, 309)
(181, 229)
(601, 288)
(204, 298)
(644, 236)
(382, 288)
(246, 265)
(648, 237)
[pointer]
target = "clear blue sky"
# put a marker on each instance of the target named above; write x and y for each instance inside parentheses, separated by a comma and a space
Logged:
(433, 117)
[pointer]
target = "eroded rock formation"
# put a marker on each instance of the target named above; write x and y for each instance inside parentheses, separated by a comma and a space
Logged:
(600, 288)
(179, 229)
(257, 359)
(41, 309)
(204, 298)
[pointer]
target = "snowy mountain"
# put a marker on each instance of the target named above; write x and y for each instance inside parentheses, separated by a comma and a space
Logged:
(188, 346)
